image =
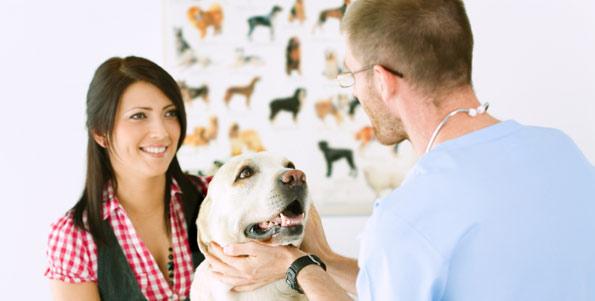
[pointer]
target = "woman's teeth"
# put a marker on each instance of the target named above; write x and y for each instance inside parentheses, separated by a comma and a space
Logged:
(154, 150)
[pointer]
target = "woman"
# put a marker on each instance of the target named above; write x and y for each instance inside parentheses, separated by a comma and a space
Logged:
(131, 236)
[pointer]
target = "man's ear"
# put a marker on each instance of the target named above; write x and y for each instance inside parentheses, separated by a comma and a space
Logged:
(100, 139)
(386, 83)
(202, 225)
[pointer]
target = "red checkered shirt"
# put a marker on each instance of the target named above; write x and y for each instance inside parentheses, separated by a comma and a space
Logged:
(72, 253)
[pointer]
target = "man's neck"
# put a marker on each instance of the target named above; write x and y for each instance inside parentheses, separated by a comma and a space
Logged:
(424, 118)
(141, 197)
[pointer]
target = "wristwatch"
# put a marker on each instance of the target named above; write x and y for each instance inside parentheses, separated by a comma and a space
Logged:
(297, 266)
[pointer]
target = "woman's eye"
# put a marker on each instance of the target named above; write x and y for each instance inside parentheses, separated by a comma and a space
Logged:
(246, 173)
(138, 116)
(172, 113)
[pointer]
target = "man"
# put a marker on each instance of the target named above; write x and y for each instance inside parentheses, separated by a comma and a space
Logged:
(493, 210)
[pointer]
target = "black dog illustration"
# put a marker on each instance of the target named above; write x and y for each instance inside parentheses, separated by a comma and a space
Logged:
(334, 154)
(266, 21)
(290, 104)
(353, 104)
(190, 93)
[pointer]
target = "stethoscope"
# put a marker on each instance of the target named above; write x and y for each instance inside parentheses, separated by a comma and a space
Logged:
(470, 111)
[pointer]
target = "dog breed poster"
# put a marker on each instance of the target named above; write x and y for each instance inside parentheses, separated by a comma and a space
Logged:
(261, 75)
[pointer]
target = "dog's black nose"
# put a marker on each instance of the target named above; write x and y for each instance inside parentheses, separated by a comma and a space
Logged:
(293, 177)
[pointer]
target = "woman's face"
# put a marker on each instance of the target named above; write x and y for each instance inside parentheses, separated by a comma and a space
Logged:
(146, 132)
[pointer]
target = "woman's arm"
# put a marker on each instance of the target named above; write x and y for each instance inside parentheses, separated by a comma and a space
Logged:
(64, 291)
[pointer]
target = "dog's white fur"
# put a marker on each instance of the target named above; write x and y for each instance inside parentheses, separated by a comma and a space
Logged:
(230, 206)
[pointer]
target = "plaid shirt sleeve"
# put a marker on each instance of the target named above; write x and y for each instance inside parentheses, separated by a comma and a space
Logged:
(71, 253)
(201, 183)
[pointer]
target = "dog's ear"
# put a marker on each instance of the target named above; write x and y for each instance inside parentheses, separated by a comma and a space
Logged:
(202, 225)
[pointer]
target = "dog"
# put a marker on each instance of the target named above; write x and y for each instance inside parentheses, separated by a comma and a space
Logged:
(255, 197)
(290, 104)
(337, 13)
(364, 136)
(202, 135)
(246, 91)
(243, 60)
(297, 12)
(353, 104)
(293, 56)
(386, 172)
(191, 93)
(331, 106)
(203, 19)
(331, 155)
(331, 65)
(241, 140)
(266, 21)
(184, 53)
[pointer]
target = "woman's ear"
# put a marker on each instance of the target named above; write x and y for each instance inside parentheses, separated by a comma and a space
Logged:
(100, 139)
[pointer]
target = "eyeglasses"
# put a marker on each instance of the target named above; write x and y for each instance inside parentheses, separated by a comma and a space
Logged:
(347, 79)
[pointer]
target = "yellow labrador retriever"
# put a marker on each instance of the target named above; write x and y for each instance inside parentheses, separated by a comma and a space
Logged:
(257, 196)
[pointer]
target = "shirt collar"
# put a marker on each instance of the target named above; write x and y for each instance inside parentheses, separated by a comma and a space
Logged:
(111, 203)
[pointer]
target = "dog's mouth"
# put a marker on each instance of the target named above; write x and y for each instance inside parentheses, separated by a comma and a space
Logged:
(288, 222)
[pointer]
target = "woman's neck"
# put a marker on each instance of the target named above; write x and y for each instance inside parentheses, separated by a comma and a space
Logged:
(141, 197)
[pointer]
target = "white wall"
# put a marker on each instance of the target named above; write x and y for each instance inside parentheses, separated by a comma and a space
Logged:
(533, 61)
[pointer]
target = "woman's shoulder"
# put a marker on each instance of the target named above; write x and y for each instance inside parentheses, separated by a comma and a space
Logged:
(71, 251)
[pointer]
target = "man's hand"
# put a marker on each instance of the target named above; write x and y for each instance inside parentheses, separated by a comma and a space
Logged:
(248, 266)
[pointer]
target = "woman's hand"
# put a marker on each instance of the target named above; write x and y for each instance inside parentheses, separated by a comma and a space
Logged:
(250, 265)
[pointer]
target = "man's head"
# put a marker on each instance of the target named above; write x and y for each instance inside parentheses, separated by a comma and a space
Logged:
(428, 44)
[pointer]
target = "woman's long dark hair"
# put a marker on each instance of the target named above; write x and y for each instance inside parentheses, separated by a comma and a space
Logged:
(109, 82)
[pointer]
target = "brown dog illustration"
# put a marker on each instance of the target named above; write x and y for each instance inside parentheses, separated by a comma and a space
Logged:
(336, 12)
(202, 135)
(326, 107)
(364, 136)
(293, 56)
(246, 91)
(297, 12)
(203, 19)
(244, 139)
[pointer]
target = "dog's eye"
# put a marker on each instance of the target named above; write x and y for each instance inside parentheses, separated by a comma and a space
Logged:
(290, 165)
(246, 172)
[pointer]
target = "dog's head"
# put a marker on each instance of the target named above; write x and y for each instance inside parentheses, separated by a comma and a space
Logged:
(258, 196)
(323, 145)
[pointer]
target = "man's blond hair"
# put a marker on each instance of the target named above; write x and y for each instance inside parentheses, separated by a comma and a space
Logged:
(428, 41)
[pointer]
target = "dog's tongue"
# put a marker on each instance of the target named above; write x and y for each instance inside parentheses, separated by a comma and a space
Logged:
(291, 221)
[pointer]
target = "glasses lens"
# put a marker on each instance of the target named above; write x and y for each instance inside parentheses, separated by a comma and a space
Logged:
(345, 80)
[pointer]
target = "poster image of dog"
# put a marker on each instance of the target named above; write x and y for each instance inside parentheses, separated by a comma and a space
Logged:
(385, 171)
(290, 104)
(364, 136)
(255, 197)
(244, 140)
(203, 19)
(191, 93)
(297, 12)
(331, 155)
(331, 65)
(260, 91)
(202, 135)
(264, 21)
(293, 56)
(334, 13)
(242, 59)
(245, 91)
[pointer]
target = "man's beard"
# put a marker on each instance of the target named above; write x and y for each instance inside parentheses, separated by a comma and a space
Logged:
(388, 128)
